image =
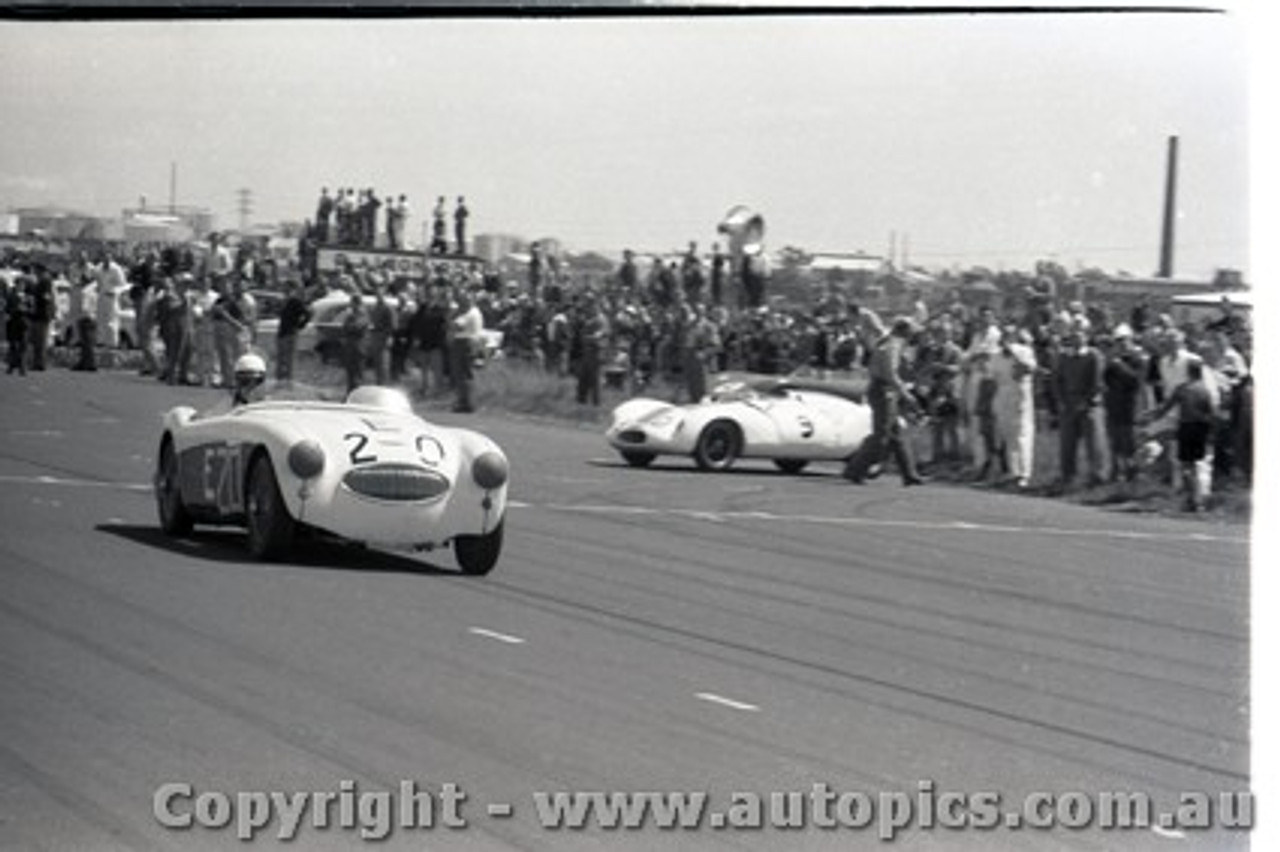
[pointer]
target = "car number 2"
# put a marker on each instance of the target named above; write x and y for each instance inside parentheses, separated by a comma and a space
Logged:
(358, 442)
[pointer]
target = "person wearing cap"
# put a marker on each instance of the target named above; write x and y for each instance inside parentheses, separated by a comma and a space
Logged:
(887, 394)
(1197, 410)
(1123, 375)
(1079, 385)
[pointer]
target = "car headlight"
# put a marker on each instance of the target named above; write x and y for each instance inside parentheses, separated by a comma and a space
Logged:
(306, 458)
(661, 420)
(490, 470)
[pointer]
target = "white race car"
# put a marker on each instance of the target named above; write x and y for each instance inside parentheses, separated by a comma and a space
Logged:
(367, 469)
(790, 421)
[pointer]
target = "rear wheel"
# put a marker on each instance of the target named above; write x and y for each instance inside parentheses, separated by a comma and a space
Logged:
(477, 554)
(791, 465)
(718, 445)
(271, 527)
(638, 459)
(174, 519)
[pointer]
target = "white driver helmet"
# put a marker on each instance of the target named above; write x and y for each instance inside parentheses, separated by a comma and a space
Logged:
(250, 374)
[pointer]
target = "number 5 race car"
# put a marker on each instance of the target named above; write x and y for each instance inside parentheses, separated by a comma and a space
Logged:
(791, 421)
(368, 470)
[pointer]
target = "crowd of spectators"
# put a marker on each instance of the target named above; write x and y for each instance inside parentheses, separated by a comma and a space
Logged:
(356, 218)
(983, 378)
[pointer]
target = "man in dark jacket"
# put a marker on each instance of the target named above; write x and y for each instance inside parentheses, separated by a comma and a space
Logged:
(295, 313)
(1079, 386)
(1125, 370)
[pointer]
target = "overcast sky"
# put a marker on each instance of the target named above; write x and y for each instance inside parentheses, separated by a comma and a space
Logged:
(993, 140)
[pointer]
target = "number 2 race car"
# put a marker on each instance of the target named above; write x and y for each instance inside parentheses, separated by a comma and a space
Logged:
(789, 421)
(368, 470)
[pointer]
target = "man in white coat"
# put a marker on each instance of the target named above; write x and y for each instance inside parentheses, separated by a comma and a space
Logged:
(1013, 368)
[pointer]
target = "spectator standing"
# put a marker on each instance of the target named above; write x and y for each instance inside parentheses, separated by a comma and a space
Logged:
(355, 327)
(17, 321)
(1014, 369)
(369, 221)
(429, 329)
(1079, 384)
(173, 316)
(295, 313)
(324, 212)
(719, 264)
(691, 277)
(460, 214)
(111, 284)
(43, 312)
(85, 305)
(229, 330)
(628, 276)
(940, 372)
(1123, 376)
(1172, 370)
(594, 333)
(465, 337)
(438, 243)
(401, 336)
(203, 341)
(382, 325)
(1197, 410)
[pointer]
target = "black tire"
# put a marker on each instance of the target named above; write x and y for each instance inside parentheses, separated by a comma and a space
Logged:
(477, 554)
(638, 459)
(718, 445)
(174, 519)
(271, 527)
(791, 465)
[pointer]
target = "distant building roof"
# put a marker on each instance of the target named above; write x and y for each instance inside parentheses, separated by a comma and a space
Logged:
(847, 261)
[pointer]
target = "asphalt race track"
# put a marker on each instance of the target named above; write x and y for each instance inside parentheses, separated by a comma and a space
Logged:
(646, 630)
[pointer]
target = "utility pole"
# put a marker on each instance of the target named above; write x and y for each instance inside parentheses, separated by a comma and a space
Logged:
(1170, 210)
(173, 187)
(244, 204)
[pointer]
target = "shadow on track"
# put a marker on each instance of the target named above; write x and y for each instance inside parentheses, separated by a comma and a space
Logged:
(326, 554)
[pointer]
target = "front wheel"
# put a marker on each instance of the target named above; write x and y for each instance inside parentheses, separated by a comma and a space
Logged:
(271, 527)
(174, 519)
(718, 445)
(477, 554)
(638, 459)
(791, 465)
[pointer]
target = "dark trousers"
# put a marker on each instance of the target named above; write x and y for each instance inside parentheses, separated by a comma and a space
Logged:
(1079, 423)
(461, 370)
(886, 436)
(589, 378)
(1122, 443)
(286, 348)
(17, 337)
(87, 339)
(38, 337)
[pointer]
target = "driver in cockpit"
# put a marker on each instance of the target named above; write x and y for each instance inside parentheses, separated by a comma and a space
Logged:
(250, 380)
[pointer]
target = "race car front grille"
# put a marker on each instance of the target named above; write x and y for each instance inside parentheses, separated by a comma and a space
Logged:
(396, 482)
(631, 436)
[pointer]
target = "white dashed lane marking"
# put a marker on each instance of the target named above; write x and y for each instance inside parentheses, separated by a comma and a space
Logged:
(505, 638)
(712, 698)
